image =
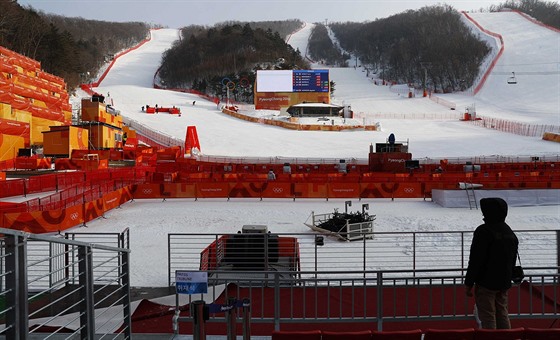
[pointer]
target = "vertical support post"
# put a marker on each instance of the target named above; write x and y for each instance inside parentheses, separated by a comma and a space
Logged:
(380, 301)
(199, 327)
(231, 319)
(246, 319)
(85, 277)
(276, 301)
(558, 249)
(364, 255)
(16, 287)
(266, 253)
(168, 260)
(125, 289)
(414, 254)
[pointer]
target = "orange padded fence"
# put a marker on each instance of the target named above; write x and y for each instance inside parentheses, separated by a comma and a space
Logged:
(53, 220)
(553, 137)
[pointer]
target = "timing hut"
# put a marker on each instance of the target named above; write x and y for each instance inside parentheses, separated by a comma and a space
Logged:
(315, 110)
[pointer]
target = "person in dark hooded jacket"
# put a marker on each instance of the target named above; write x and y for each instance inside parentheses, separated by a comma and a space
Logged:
(491, 260)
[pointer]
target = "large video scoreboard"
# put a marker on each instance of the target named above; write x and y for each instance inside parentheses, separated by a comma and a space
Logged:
(293, 81)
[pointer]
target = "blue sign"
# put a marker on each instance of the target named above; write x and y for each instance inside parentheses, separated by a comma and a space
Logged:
(191, 282)
(310, 80)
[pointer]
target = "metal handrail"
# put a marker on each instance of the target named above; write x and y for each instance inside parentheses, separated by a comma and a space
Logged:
(375, 251)
(62, 282)
(375, 297)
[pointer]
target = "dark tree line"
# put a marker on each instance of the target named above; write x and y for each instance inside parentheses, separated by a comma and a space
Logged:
(204, 57)
(66, 47)
(430, 43)
(321, 48)
(547, 12)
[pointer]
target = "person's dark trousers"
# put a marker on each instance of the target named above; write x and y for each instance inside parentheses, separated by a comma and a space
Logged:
(492, 307)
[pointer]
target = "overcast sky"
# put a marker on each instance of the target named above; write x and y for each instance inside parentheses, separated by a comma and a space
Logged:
(178, 13)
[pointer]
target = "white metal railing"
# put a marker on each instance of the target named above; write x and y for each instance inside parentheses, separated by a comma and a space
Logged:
(414, 251)
(78, 287)
(157, 136)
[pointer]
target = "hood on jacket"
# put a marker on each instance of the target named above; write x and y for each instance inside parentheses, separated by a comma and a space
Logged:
(494, 209)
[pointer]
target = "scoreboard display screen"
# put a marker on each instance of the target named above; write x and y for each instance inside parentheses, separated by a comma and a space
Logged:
(310, 81)
(293, 81)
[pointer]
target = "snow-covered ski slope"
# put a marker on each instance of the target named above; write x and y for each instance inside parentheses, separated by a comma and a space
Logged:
(532, 53)
(432, 129)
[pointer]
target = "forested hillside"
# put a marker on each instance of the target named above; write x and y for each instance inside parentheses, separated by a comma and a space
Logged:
(66, 47)
(322, 49)
(409, 46)
(205, 56)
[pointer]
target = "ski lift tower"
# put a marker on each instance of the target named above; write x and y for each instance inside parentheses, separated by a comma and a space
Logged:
(425, 65)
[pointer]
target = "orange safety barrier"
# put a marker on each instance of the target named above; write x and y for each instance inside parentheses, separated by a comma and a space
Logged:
(310, 190)
(553, 137)
(32, 163)
(44, 221)
(377, 190)
(170, 110)
(212, 190)
(408, 190)
(179, 190)
(274, 189)
(343, 190)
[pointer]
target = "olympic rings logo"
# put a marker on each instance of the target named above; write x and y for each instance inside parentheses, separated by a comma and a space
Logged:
(74, 216)
(147, 191)
(409, 190)
(277, 190)
(244, 82)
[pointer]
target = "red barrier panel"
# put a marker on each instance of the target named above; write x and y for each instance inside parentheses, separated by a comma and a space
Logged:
(377, 190)
(93, 208)
(15, 187)
(164, 190)
(408, 190)
(44, 221)
(212, 190)
(310, 190)
(343, 190)
(11, 207)
(276, 189)
(41, 183)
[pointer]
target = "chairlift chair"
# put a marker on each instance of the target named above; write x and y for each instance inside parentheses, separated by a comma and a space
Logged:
(512, 79)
